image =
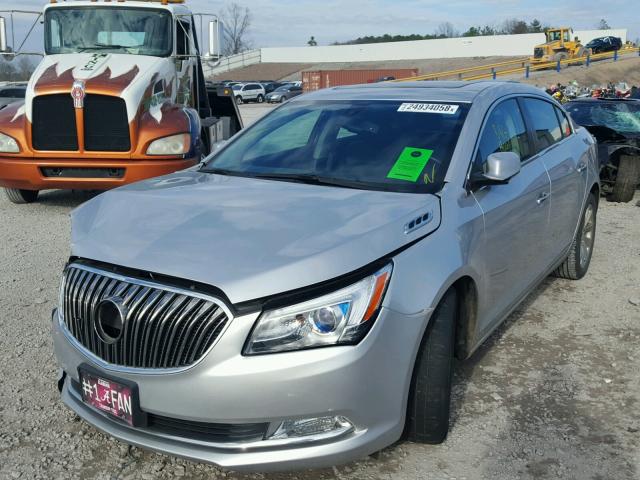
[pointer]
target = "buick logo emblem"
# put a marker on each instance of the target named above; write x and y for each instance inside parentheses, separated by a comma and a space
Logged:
(77, 93)
(109, 318)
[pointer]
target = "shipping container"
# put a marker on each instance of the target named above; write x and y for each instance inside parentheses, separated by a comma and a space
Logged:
(316, 80)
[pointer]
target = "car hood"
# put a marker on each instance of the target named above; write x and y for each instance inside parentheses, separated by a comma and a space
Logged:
(251, 238)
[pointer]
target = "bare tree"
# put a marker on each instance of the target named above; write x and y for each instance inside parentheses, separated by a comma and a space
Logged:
(603, 25)
(446, 30)
(237, 20)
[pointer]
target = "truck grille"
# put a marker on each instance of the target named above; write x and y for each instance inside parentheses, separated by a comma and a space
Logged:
(163, 327)
(106, 125)
(54, 123)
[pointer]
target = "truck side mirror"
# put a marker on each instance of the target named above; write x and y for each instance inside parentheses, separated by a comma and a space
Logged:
(216, 39)
(3, 36)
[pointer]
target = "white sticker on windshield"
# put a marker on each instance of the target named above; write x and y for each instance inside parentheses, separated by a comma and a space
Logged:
(429, 108)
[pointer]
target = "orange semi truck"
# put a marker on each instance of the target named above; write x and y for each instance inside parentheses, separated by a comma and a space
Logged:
(119, 96)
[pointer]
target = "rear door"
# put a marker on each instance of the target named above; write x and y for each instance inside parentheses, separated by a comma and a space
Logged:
(564, 156)
(516, 214)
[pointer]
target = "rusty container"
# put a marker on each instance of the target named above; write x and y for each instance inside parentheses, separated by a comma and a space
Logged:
(316, 80)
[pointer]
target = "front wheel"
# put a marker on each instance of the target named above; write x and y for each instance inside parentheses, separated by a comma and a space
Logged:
(282, 99)
(19, 196)
(627, 179)
(239, 100)
(430, 394)
(577, 262)
(260, 98)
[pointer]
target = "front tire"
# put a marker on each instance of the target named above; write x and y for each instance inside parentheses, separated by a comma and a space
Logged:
(577, 262)
(627, 179)
(430, 394)
(283, 99)
(19, 196)
(239, 100)
(260, 99)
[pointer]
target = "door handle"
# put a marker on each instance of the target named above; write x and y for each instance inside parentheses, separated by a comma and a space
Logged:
(582, 166)
(543, 196)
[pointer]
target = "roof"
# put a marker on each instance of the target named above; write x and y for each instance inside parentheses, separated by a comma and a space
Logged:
(177, 8)
(456, 91)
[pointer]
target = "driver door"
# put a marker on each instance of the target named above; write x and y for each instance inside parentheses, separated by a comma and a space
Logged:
(516, 215)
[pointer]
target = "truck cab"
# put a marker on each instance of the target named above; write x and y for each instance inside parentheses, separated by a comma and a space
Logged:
(118, 97)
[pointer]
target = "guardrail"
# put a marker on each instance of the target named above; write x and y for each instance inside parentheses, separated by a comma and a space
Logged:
(233, 62)
(520, 66)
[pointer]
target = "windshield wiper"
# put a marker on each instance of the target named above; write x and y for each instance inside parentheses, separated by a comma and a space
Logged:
(103, 46)
(307, 178)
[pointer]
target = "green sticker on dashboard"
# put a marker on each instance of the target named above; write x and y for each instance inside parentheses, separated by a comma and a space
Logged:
(410, 164)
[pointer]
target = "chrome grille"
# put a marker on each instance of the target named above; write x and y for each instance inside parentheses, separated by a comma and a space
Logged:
(164, 327)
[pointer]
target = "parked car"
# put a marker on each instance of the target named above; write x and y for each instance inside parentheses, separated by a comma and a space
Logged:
(604, 44)
(249, 92)
(297, 302)
(615, 123)
(270, 86)
(284, 93)
(12, 93)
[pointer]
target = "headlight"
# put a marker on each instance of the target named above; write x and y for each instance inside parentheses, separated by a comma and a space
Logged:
(342, 317)
(173, 145)
(8, 144)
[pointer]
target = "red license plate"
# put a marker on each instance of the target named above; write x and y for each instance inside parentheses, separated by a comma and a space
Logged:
(112, 397)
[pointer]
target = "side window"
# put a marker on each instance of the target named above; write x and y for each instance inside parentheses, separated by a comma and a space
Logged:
(545, 122)
(182, 38)
(504, 131)
(565, 126)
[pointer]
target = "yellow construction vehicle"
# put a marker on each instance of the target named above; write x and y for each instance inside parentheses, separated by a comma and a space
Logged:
(560, 45)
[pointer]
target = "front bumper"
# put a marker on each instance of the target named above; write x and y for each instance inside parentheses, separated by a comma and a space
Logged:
(27, 174)
(367, 384)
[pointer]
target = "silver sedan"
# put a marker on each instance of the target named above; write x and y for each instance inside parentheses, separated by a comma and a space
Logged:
(299, 299)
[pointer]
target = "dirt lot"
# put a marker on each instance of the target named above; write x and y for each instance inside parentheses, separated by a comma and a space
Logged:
(554, 393)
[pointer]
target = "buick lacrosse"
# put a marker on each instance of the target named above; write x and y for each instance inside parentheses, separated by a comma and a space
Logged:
(298, 299)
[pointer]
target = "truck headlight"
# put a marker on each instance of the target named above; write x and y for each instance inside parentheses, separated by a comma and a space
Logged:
(340, 318)
(8, 144)
(173, 145)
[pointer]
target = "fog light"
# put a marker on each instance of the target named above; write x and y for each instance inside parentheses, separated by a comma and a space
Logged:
(312, 428)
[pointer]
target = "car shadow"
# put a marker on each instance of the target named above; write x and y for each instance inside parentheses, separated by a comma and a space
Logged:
(464, 370)
(66, 198)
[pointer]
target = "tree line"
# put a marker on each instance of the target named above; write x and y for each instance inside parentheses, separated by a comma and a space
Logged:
(512, 26)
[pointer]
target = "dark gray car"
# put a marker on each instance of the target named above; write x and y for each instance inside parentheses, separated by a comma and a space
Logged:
(284, 93)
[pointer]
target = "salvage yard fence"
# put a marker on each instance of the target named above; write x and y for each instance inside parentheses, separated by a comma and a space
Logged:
(521, 66)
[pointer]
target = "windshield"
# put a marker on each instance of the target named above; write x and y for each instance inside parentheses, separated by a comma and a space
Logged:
(374, 145)
(623, 117)
(282, 89)
(237, 87)
(137, 31)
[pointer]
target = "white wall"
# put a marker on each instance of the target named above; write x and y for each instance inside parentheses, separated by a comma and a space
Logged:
(500, 45)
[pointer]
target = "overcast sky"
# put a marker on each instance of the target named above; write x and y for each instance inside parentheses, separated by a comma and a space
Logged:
(292, 22)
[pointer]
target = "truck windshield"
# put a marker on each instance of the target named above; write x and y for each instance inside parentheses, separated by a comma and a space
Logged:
(137, 31)
(373, 145)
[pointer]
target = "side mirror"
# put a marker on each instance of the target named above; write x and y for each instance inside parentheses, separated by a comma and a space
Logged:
(501, 167)
(3, 36)
(216, 39)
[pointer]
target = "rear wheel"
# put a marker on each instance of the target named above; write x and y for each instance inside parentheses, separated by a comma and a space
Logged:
(577, 262)
(19, 196)
(430, 394)
(627, 179)
(260, 98)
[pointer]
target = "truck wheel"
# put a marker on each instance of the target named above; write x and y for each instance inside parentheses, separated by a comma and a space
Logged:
(239, 100)
(577, 262)
(627, 179)
(560, 56)
(260, 99)
(21, 196)
(430, 393)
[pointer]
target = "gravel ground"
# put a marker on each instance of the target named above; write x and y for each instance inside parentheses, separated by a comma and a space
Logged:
(552, 394)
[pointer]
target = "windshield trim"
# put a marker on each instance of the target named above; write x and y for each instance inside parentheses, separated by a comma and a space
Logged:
(47, 38)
